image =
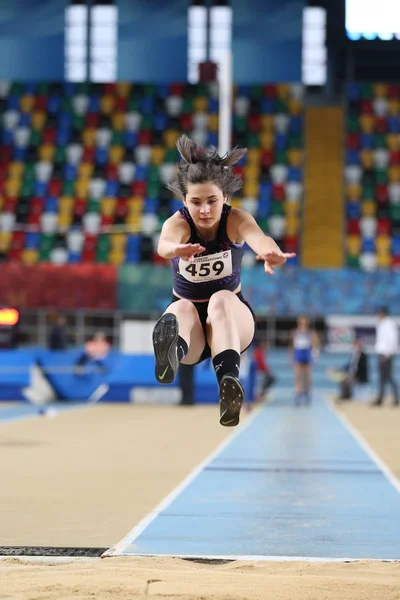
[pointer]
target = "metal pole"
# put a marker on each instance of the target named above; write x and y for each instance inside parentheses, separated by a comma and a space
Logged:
(225, 104)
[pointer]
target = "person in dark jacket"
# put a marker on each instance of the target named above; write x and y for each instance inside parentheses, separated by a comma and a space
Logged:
(356, 371)
(58, 334)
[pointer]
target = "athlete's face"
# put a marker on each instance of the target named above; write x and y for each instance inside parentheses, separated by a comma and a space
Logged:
(204, 202)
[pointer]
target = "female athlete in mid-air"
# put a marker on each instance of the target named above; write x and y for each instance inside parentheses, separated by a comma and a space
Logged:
(208, 315)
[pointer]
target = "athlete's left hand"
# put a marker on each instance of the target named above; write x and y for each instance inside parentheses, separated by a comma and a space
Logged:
(274, 259)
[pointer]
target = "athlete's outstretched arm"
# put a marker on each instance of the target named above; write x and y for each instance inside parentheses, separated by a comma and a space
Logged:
(263, 245)
(171, 243)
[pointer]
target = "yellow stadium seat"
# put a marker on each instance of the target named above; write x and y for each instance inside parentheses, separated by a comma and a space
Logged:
(292, 225)
(135, 205)
(15, 170)
(85, 170)
(282, 90)
(89, 137)
(118, 242)
(64, 220)
(380, 90)
(393, 107)
(46, 152)
(107, 104)
(26, 103)
(236, 202)
(393, 141)
(12, 187)
(252, 171)
(82, 188)
(267, 123)
(213, 122)
(118, 121)
(295, 106)
(353, 244)
(123, 88)
(253, 156)
(200, 104)
(367, 123)
(295, 157)
(30, 256)
(108, 206)
(354, 192)
(394, 174)
(384, 260)
(116, 257)
(38, 120)
(291, 208)
(368, 208)
(251, 188)
(367, 159)
(134, 223)
(267, 140)
(170, 137)
(5, 239)
(66, 204)
(116, 154)
(383, 244)
(157, 155)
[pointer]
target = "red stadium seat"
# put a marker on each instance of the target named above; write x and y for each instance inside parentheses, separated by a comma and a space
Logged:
(353, 227)
(384, 227)
(381, 192)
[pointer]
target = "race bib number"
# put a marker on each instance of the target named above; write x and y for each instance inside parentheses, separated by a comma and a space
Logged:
(207, 268)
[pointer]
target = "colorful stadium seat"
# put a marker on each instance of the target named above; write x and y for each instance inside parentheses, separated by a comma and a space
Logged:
(79, 160)
(372, 174)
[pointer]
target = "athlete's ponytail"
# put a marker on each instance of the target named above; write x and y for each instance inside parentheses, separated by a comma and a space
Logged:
(202, 165)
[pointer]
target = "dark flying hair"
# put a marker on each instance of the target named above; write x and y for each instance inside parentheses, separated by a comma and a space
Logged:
(202, 165)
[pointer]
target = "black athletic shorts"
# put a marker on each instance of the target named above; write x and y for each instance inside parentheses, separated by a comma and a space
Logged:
(202, 310)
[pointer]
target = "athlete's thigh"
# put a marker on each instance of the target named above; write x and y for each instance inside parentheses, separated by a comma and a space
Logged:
(184, 310)
(242, 319)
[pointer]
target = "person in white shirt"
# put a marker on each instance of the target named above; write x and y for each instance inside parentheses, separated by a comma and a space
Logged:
(386, 347)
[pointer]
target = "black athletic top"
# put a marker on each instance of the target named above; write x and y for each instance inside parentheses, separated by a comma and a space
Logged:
(218, 268)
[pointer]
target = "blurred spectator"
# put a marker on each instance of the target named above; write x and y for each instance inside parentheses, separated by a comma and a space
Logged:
(58, 334)
(355, 371)
(186, 384)
(304, 346)
(386, 347)
(96, 350)
(259, 357)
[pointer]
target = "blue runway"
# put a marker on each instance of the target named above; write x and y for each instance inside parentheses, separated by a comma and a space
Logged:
(293, 482)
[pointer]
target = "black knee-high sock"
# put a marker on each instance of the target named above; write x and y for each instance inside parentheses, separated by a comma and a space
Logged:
(225, 362)
(182, 348)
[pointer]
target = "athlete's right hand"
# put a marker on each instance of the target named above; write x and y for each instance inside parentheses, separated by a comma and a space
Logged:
(188, 251)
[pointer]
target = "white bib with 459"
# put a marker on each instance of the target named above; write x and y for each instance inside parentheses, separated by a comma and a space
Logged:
(207, 268)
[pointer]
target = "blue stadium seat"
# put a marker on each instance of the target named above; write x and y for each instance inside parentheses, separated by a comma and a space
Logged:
(40, 189)
(130, 139)
(50, 204)
(24, 120)
(150, 206)
(353, 210)
(70, 172)
(111, 189)
(53, 104)
(368, 245)
(32, 240)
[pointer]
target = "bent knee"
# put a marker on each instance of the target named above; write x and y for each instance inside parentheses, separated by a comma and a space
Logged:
(185, 307)
(220, 302)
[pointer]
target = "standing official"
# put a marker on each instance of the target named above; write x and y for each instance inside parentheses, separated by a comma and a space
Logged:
(386, 347)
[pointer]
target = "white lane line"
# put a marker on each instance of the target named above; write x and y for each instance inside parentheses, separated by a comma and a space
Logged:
(121, 546)
(390, 476)
(259, 558)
